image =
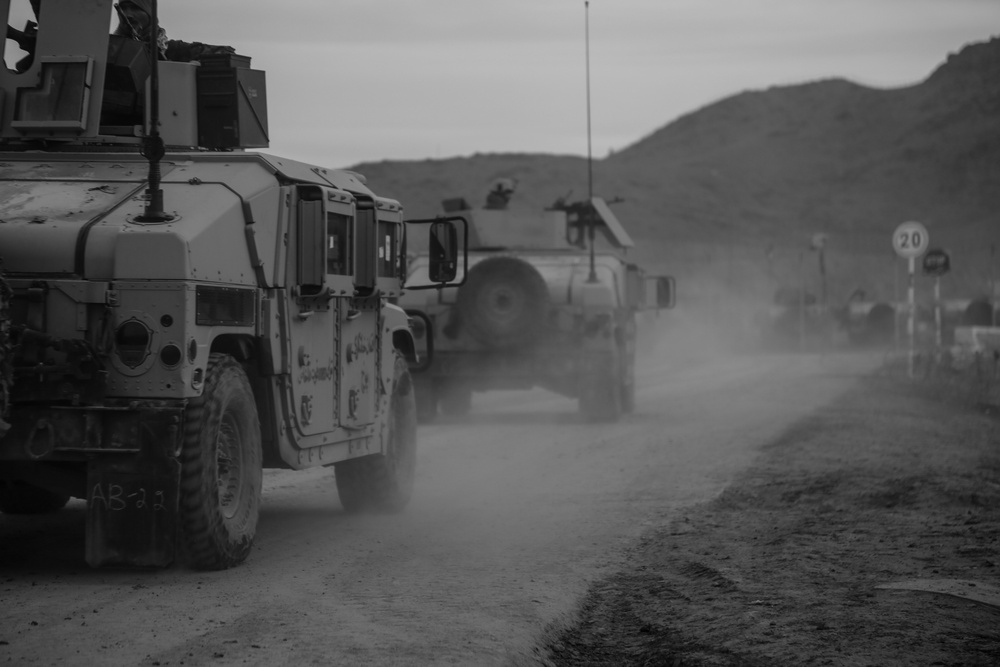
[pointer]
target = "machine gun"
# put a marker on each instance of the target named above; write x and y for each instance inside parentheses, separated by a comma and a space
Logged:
(582, 217)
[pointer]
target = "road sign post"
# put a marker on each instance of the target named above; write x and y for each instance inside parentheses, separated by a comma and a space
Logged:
(937, 263)
(993, 286)
(910, 241)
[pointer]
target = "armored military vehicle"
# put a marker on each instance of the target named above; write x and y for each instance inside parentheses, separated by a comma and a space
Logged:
(179, 313)
(541, 306)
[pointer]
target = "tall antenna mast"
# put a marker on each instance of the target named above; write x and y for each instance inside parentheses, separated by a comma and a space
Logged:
(152, 144)
(590, 157)
(592, 278)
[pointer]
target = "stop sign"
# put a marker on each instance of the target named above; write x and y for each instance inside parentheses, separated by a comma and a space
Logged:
(936, 262)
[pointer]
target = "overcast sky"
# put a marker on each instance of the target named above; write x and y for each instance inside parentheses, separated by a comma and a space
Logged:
(365, 80)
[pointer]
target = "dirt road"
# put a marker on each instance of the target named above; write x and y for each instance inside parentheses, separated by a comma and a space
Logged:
(518, 507)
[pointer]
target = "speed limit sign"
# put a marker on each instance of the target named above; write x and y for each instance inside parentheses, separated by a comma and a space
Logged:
(910, 239)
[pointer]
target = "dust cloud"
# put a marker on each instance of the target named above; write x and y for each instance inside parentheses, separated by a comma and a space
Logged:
(715, 325)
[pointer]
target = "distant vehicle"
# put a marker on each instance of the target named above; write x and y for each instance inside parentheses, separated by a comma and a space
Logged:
(154, 358)
(540, 307)
(793, 317)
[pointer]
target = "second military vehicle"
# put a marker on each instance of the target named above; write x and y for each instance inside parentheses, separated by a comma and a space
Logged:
(540, 307)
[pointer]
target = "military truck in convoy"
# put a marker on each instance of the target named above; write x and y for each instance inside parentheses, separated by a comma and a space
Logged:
(179, 313)
(541, 306)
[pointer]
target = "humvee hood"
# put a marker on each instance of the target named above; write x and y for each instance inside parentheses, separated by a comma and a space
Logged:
(43, 221)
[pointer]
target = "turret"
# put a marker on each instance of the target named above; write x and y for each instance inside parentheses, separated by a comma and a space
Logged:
(563, 226)
(86, 86)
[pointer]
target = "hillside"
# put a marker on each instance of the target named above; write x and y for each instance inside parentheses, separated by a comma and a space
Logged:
(743, 184)
(838, 157)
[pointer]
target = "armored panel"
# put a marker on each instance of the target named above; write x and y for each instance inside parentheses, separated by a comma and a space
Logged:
(60, 94)
(612, 229)
(516, 229)
(127, 70)
(232, 104)
(224, 306)
(178, 104)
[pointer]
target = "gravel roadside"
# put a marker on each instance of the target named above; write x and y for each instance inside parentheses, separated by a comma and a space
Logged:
(868, 534)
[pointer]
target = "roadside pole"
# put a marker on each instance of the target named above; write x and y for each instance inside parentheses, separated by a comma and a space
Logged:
(937, 312)
(910, 241)
(937, 263)
(994, 304)
(895, 304)
(802, 302)
(911, 311)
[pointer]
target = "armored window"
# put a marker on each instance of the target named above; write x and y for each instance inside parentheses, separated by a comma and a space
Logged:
(365, 255)
(311, 246)
(338, 244)
(61, 99)
(388, 249)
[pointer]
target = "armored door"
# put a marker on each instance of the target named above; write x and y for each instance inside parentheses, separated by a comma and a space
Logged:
(311, 322)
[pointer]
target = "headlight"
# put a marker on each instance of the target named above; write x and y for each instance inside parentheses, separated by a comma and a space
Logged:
(171, 355)
(132, 339)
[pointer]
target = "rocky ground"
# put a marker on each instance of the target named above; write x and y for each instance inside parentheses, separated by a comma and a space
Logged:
(868, 534)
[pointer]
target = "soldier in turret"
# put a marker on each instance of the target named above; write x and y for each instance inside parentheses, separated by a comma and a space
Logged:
(500, 194)
(134, 20)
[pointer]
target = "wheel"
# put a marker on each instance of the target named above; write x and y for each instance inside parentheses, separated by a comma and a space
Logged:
(220, 469)
(17, 497)
(456, 400)
(504, 302)
(880, 325)
(384, 482)
(6, 353)
(628, 395)
(601, 390)
(426, 401)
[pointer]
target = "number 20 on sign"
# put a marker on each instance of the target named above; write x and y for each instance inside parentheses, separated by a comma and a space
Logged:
(910, 240)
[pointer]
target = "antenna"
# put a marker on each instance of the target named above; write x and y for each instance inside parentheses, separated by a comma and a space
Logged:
(152, 143)
(590, 157)
(592, 277)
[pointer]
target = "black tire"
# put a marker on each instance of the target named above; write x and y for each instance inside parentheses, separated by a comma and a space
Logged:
(880, 325)
(504, 302)
(384, 482)
(601, 390)
(17, 497)
(221, 471)
(627, 395)
(426, 401)
(6, 353)
(978, 313)
(455, 400)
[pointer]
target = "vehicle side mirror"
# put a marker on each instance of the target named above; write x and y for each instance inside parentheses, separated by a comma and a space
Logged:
(443, 249)
(447, 254)
(666, 291)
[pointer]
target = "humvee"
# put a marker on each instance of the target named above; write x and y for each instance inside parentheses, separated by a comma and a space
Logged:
(179, 313)
(541, 306)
